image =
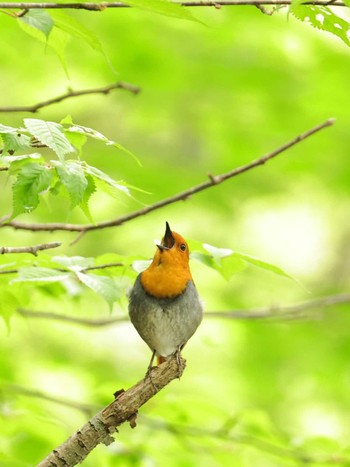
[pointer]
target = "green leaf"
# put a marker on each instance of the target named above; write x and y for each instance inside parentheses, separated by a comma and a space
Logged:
(38, 19)
(31, 180)
(15, 163)
(322, 17)
(9, 129)
(163, 7)
(73, 263)
(90, 189)
(51, 134)
(9, 303)
(15, 142)
(217, 253)
(40, 274)
(73, 178)
(77, 29)
(106, 183)
(102, 285)
(94, 134)
(263, 265)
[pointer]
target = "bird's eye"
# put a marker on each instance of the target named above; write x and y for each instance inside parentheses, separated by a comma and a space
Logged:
(182, 247)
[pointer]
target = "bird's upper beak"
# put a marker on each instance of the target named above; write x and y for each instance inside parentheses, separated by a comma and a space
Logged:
(168, 240)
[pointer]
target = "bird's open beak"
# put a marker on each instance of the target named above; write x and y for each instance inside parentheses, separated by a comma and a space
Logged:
(168, 240)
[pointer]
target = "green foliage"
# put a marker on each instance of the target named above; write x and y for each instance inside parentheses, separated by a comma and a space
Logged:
(79, 179)
(266, 393)
(228, 262)
(323, 17)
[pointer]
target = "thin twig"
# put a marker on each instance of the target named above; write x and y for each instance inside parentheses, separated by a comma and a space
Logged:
(213, 181)
(88, 410)
(72, 319)
(281, 313)
(98, 430)
(104, 90)
(259, 443)
(29, 249)
(89, 268)
(91, 6)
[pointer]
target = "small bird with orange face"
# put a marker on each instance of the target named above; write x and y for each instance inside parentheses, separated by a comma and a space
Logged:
(164, 305)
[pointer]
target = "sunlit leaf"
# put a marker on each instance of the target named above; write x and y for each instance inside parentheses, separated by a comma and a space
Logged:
(51, 134)
(73, 178)
(74, 263)
(94, 134)
(40, 275)
(322, 17)
(38, 19)
(84, 204)
(106, 183)
(15, 142)
(102, 285)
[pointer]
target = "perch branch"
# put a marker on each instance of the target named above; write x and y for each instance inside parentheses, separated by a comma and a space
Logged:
(213, 181)
(124, 408)
(104, 90)
(29, 249)
(91, 6)
(286, 312)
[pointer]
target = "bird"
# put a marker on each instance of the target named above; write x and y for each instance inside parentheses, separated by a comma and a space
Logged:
(164, 305)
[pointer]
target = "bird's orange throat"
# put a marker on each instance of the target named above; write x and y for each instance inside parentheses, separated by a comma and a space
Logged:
(165, 277)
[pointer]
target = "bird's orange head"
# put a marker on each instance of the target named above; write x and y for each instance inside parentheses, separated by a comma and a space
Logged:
(169, 272)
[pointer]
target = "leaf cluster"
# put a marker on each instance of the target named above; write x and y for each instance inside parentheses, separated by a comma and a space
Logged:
(34, 175)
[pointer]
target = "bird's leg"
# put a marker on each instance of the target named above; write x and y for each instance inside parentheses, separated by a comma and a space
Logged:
(149, 371)
(177, 355)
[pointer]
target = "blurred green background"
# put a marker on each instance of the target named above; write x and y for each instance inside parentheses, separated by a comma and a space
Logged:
(214, 96)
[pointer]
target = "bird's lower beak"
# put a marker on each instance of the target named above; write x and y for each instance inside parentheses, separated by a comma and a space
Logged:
(168, 240)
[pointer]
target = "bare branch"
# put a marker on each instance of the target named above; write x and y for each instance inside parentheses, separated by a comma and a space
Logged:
(29, 249)
(91, 6)
(72, 319)
(283, 312)
(104, 90)
(213, 181)
(124, 408)
(275, 313)
(89, 268)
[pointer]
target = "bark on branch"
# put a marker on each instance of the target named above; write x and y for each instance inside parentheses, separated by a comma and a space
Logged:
(29, 249)
(91, 6)
(98, 429)
(104, 90)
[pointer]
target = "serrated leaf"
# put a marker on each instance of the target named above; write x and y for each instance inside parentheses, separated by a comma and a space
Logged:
(323, 18)
(15, 142)
(102, 285)
(72, 176)
(106, 183)
(31, 180)
(163, 7)
(15, 163)
(40, 275)
(38, 19)
(94, 134)
(73, 263)
(84, 205)
(51, 134)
